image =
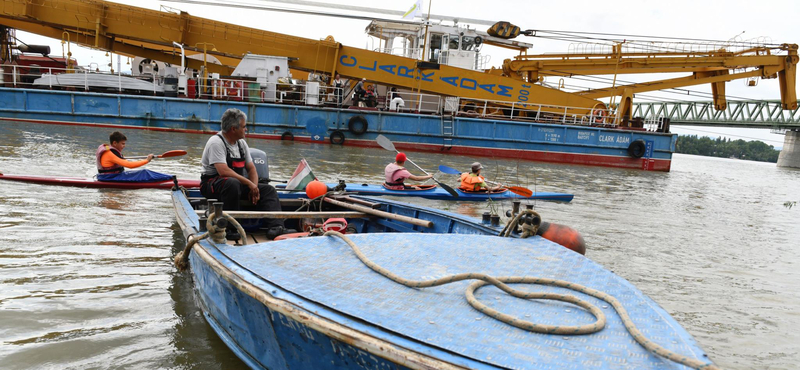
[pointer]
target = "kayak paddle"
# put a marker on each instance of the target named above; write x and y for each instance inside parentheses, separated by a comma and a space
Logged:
(525, 192)
(385, 143)
(171, 153)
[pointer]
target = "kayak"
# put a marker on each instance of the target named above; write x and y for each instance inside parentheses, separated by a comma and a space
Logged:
(83, 182)
(439, 193)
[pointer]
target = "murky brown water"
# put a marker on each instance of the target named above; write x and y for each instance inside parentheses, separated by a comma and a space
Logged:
(86, 279)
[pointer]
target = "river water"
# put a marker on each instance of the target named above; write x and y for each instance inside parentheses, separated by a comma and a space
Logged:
(86, 279)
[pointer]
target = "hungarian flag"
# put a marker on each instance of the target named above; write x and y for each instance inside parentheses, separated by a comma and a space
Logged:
(301, 176)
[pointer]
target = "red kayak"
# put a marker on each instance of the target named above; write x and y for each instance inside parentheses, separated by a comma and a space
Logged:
(83, 182)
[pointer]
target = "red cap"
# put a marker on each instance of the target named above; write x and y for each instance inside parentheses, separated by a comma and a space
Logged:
(401, 157)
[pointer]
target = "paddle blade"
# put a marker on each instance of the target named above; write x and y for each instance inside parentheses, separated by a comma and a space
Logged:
(527, 193)
(448, 170)
(385, 143)
(173, 153)
(447, 189)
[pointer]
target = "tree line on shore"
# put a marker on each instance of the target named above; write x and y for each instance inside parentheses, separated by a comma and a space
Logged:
(725, 148)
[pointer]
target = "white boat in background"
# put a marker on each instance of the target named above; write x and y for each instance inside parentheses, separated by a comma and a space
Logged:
(99, 81)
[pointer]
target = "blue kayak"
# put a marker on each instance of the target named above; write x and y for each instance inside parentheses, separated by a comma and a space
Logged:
(435, 192)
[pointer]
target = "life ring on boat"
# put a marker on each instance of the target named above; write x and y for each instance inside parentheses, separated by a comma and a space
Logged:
(599, 115)
(233, 88)
(337, 137)
(637, 148)
(357, 125)
(287, 136)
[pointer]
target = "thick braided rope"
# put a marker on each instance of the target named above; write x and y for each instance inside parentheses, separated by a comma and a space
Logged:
(500, 283)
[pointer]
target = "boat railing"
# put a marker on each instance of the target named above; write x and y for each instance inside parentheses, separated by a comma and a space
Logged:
(34, 76)
(413, 102)
(531, 112)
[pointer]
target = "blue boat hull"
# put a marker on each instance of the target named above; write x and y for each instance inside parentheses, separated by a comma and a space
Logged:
(470, 136)
(438, 193)
(310, 304)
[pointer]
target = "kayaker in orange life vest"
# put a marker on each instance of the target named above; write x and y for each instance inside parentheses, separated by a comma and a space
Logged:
(473, 181)
(396, 174)
(110, 159)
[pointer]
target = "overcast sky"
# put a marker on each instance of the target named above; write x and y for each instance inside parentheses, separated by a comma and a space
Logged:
(698, 19)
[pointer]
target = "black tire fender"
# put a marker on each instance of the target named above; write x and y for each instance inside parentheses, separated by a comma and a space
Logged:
(337, 137)
(357, 125)
(637, 148)
(287, 136)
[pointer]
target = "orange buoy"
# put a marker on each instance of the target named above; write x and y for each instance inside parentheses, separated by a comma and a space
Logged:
(564, 235)
(315, 189)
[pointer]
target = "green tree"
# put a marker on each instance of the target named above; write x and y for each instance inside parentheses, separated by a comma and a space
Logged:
(725, 148)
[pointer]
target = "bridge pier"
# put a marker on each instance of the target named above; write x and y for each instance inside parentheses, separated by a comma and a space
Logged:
(790, 154)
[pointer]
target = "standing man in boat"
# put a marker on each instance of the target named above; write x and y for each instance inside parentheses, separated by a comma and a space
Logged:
(111, 164)
(396, 174)
(226, 156)
(473, 181)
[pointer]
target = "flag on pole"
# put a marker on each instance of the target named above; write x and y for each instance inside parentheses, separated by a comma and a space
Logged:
(301, 177)
(412, 13)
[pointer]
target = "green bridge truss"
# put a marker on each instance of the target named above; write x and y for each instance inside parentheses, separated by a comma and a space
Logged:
(747, 114)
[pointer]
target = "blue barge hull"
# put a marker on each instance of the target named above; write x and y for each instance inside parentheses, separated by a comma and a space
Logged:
(570, 144)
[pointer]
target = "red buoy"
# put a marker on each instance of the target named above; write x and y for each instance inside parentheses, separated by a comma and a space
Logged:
(315, 189)
(564, 235)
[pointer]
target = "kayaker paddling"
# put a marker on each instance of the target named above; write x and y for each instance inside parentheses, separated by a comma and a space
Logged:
(395, 174)
(473, 181)
(111, 164)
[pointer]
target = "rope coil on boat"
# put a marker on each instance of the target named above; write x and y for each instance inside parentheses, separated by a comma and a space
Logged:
(530, 225)
(501, 283)
(217, 235)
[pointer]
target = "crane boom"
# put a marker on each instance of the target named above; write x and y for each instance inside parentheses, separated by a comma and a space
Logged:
(148, 33)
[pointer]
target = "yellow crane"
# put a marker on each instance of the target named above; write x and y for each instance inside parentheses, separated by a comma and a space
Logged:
(135, 31)
(715, 64)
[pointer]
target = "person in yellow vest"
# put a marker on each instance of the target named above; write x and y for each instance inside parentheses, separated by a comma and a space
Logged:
(473, 181)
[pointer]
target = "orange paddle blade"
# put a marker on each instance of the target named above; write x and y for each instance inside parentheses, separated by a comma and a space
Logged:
(520, 191)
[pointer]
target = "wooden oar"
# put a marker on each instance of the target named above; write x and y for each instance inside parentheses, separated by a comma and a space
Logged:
(171, 153)
(525, 192)
(385, 143)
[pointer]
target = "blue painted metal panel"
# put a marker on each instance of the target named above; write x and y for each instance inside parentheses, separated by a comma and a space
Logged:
(96, 105)
(153, 108)
(10, 100)
(45, 101)
(187, 110)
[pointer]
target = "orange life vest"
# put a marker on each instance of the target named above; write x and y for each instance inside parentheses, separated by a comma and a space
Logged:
(471, 182)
